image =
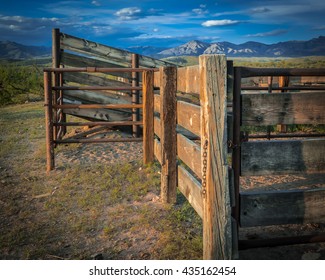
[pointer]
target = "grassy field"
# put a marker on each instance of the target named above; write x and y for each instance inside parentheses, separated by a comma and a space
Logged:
(299, 62)
(83, 211)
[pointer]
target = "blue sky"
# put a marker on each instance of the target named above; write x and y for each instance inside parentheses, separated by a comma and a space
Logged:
(165, 23)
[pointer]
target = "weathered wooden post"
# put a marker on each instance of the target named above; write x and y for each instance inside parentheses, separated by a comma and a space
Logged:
(217, 230)
(48, 121)
(148, 117)
(135, 94)
(283, 82)
(168, 88)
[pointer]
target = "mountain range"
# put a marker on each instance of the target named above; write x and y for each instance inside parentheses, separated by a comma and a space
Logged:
(313, 47)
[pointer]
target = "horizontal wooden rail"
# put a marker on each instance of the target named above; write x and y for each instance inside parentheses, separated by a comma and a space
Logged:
(157, 126)
(284, 88)
(157, 103)
(188, 79)
(157, 150)
(77, 61)
(188, 116)
(94, 88)
(258, 72)
(191, 189)
(98, 69)
(98, 106)
(124, 123)
(284, 108)
(282, 157)
(190, 153)
(92, 80)
(98, 140)
(93, 49)
(282, 207)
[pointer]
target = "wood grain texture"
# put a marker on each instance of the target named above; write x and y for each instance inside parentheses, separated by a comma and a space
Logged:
(157, 150)
(157, 126)
(190, 153)
(95, 97)
(157, 103)
(92, 80)
(217, 228)
(188, 116)
(191, 189)
(282, 207)
(148, 118)
(188, 79)
(284, 108)
(110, 54)
(168, 86)
(72, 60)
(282, 157)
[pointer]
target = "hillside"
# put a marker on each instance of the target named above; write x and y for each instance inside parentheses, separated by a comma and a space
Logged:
(12, 50)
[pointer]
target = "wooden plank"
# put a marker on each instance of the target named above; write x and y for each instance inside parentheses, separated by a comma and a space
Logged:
(188, 116)
(157, 150)
(92, 80)
(157, 126)
(168, 134)
(96, 97)
(283, 82)
(282, 207)
(284, 108)
(188, 79)
(191, 189)
(156, 79)
(90, 48)
(157, 103)
(72, 60)
(98, 114)
(217, 227)
(190, 153)
(148, 118)
(282, 157)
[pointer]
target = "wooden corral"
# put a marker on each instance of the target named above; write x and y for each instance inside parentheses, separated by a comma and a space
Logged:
(208, 168)
(201, 145)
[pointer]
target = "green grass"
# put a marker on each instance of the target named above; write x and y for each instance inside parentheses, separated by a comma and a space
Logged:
(282, 62)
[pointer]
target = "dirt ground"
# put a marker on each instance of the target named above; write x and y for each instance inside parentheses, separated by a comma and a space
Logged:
(123, 151)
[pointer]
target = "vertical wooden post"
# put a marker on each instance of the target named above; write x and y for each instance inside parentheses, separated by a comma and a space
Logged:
(135, 94)
(48, 121)
(55, 64)
(283, 82)
(148, 117)
(168, 88)
(217, 231)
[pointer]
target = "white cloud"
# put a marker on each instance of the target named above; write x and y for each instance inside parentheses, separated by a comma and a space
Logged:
(260, 10)
(200, 11)
(150, 36)
(268, 34)
(95, 3)
(221, 22)
(129, 13)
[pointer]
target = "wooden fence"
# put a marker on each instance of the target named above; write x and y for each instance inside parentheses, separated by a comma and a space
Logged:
(72, 52)
(207, 168)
